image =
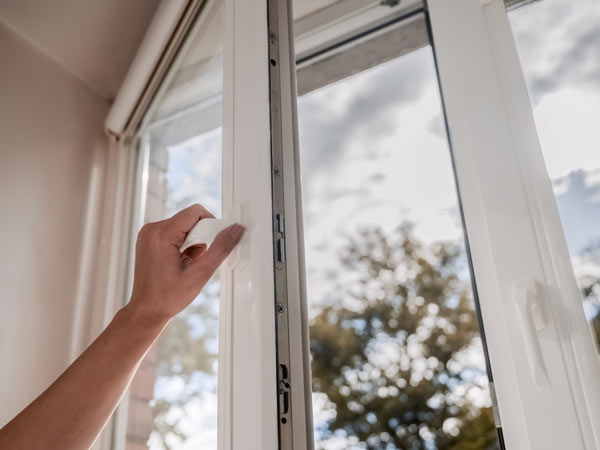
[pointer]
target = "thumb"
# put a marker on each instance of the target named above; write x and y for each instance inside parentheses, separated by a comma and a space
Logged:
(224, 243)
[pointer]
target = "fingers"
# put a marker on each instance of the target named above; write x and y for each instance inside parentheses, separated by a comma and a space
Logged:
(182, 222)
(195, 251)
(221, 247)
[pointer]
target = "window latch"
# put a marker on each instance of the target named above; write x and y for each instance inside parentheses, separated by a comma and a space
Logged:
(284, 392)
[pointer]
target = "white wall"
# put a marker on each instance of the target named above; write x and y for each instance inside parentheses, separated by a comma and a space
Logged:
(51, 134)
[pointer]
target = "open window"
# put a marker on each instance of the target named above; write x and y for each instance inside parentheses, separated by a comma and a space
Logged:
(404, 281)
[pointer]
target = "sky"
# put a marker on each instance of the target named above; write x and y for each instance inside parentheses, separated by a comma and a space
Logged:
(373, 148)
(374, 152)
(562, 68)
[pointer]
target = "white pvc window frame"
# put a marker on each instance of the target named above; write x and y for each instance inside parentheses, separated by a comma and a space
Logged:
(250, 388)
(545, 367)
(247, 378)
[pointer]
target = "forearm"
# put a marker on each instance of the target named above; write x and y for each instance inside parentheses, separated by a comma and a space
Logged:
(73, 410)
(70, 414)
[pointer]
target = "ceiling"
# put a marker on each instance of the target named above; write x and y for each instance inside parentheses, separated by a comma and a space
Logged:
(95, 40)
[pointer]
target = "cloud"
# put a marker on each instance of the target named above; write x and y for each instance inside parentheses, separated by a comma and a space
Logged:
(363, 108)
(370, 158)
(579, 206)
(194, 172)
(559, 45)
(437, 127)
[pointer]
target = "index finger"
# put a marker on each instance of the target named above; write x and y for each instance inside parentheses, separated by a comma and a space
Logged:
(184, 220)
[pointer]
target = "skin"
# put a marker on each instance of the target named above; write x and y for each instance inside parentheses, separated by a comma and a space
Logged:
(70, 414)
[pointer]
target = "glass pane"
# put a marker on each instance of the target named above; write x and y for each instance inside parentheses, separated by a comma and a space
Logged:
(173, 398)
(559, 45)
(397, 357)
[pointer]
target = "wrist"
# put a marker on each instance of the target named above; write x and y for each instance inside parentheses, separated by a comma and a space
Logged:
(140, 319)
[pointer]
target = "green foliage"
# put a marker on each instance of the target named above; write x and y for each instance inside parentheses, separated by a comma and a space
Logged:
(387, 353)
(183, 351)
(478, 434)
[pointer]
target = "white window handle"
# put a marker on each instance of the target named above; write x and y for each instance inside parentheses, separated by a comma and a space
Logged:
(204, 232)
(532, 319)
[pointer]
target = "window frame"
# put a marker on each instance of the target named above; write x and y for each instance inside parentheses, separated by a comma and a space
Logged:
(248, 418)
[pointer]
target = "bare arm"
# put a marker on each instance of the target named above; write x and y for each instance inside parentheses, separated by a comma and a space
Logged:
(70, 414)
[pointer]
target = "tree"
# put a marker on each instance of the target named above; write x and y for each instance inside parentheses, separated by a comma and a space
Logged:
(590, 286)
(185, 353)
(391, 353)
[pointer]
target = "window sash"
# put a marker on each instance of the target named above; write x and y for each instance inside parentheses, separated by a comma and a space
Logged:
(515, 233)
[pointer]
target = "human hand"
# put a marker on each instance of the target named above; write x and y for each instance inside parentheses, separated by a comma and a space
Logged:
(165, 280)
